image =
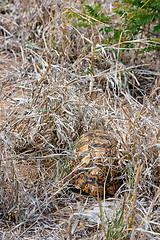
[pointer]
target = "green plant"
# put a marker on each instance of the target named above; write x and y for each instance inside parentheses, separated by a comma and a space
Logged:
(138, 16)
(141, 19)
(89, 16)
(115, 228)
(134, 17)
(64, 164)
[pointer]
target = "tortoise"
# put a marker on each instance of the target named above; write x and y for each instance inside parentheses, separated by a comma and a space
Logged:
(94, 163)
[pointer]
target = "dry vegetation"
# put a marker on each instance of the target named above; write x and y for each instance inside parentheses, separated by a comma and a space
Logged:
(47, 100)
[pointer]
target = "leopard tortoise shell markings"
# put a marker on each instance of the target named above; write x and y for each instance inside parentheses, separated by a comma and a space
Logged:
(94, 164)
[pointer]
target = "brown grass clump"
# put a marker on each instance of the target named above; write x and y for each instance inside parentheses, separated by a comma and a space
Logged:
(48, 98)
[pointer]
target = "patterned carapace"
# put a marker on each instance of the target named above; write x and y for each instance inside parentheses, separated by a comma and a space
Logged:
(94, 165)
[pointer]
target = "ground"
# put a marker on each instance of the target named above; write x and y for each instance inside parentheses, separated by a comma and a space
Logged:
(49, 97)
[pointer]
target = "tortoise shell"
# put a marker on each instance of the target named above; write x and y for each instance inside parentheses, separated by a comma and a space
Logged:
(94, 163)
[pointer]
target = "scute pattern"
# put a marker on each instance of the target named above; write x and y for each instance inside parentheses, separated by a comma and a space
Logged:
(94, 164)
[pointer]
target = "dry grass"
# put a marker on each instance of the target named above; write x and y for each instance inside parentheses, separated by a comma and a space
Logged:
(47, 101)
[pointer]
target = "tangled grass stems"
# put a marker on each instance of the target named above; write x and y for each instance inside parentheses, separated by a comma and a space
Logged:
(58, 81)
